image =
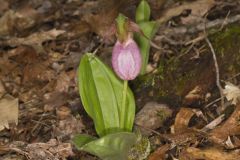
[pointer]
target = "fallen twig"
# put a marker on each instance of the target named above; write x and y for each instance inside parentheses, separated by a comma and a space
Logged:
(214, 123)
(217, 73)
(216, 67)
(224, 22)
(211, 103)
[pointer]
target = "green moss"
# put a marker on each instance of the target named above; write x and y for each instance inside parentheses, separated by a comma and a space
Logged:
(141, 150)
(145, 81)
(182, 82)
(227, 46)
(164, 114)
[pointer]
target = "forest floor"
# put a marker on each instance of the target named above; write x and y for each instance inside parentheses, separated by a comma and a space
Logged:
(190, 93)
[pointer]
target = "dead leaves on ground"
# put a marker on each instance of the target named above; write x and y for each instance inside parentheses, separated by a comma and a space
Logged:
(198, 9)
(43, 78)
(17, 20)
(8, 111)
(35, 40)
(99, 23)
(208, 154)
(226, 134)
(232, 93)
(186, 139)
(53, 149)
(182, 119)
(160, 153)
(231, 127)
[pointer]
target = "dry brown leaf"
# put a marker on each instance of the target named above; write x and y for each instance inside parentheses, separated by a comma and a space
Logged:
(100, 23)
(53, 100)
(6, 22)
(53, 149)
(199, 6)
(236, 141)
(35, 40)
(231, 127)
(63, 112)
(6, 66)
(185, 137)
(8, 111)
(208, 154)
(23, 55)
(232, 93)
(182, 119)
(68, 127)
(2, 89)
(26, 18)
(37, 72)
(159, 154)
(19, 21)
(64, 81)
(196, 94)
(4, 6)
(182, 133)
(198, 12)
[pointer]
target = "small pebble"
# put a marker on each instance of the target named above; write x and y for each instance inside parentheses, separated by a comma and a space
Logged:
(152, 116)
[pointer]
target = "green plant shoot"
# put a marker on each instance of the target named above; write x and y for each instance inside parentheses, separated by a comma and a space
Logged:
(122, 32)
(149, 29)
(101, 94)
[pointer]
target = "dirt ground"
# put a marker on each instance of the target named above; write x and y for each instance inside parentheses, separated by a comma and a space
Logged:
(194, 72)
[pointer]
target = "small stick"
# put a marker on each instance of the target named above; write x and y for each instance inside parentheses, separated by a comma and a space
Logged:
(211, 103)
(216, 67)
(225, 21)
(214, 123)
(236, 75)
(217, 73)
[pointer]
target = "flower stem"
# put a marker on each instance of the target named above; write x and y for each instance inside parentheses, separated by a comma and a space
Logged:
(123, 107)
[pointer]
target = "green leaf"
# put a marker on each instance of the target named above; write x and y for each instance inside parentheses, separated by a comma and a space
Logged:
(149, 29)
(82, 139)
(101, 95)
(111, 147)
(143, 12)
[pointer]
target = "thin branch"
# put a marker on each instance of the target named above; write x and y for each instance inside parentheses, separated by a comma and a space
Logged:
(214, 123)
(225, 21)
(217, 73)
(211, 103)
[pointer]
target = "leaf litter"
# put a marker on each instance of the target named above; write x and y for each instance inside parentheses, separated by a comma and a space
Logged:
(41, 43)
(8, 111)
(232, 93)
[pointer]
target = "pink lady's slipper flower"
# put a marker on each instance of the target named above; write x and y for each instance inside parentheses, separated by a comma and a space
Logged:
(126, 59)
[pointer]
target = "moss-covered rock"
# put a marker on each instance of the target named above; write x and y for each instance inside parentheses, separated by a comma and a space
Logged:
(180, 74)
